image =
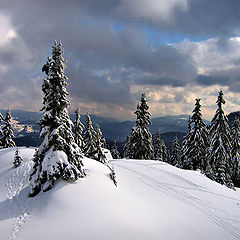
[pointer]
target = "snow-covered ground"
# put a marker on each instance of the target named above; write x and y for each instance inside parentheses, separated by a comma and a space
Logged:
(152, 201)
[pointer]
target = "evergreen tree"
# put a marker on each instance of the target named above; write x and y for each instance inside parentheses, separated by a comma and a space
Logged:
(78, 129)
(160, 149)
(58, 157)
(17, 159)
(185, 145)
(157, 146)
(103, 143)
(165, 155)
(176, 151)
(99, 154)
(236, 152)
(209, 171)
(220, 146)
(126, 148)
(114, 151)
(89, 138)
(197, 147)
(1, 133)
(7, 132)
(141, 139)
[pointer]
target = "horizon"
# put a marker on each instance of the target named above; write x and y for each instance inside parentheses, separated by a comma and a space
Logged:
(116, 119)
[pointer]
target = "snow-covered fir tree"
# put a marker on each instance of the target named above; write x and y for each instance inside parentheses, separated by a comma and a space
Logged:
(157, 146)
(78, 129)
(89, 138)
(160, 149)
(114, 151)
(175, 159)
(58, 157)
(126, 148)
(236, 152)
(1, 133)
(103, 143)
(196, 145)
(220, 146)
(7, 132)
(99, 154)
(141, 139)
(185, 145)
(17, 159)
(165, 155)
(209, 171)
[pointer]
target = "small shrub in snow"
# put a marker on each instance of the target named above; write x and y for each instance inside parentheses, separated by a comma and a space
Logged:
(17, 159)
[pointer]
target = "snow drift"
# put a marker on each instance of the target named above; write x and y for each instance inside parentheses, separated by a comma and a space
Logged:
(153, 200)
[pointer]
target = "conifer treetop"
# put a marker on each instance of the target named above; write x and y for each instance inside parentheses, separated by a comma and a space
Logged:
(220, 100)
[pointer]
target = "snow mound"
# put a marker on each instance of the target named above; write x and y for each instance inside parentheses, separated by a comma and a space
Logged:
(152, 201)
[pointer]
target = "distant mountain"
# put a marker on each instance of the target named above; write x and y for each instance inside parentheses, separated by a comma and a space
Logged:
(119, 130)
(27, 130)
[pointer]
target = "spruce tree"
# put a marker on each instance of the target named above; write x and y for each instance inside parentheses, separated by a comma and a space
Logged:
(78, 130)
(185, 145)
(175, 159)
(7, 132)
(220, 146)
(196, 149)
(165, 155)
(103, 143)
(58, 157)
(141, 139)
(99, 143)
(236, 152)
(157, 143)
(160, 149)
(17, 159)
(1, 133)
(89, 138)
(126, 148)
(114, 151)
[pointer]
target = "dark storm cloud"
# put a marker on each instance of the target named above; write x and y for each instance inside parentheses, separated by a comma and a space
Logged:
(230, 78)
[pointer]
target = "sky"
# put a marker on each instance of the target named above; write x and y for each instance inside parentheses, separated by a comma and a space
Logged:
(173, 50)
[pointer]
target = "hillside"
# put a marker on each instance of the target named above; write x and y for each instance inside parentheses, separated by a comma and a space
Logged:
(152, 201)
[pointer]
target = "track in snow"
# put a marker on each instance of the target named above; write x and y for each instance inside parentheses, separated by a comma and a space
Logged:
(216, 214)
(15, 185)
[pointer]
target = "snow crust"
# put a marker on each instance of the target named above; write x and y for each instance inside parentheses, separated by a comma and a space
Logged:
(153, 200)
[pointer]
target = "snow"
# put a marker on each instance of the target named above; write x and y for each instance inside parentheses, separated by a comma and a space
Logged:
(153, 200)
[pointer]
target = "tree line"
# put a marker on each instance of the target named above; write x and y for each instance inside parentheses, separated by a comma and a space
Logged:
(214, 151)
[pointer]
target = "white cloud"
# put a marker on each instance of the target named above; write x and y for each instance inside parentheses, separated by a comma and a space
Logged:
(153, 9)
(166, 100)
(212, 55)
(7, 31)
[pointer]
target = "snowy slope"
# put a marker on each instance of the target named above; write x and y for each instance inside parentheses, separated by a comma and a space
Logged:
(153, 200)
